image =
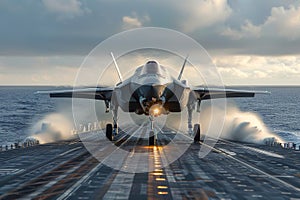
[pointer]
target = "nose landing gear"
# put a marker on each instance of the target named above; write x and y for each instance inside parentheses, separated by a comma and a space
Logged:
(152, 136)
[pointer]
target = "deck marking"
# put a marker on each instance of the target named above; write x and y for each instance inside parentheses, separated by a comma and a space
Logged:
(124, 180)
(256, 169)
(77, 185)
(51, 183)
(10, 171)
(264, 152)
(228, 152)
(71, 150)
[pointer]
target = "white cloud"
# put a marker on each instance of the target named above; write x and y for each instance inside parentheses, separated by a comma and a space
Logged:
(234, 73)
(243, 69)
(60, 75)
(260, 74)
(203, 13)
(38, 70)
(65, 8)
(134, 21)
(247, 30)
(282, 23)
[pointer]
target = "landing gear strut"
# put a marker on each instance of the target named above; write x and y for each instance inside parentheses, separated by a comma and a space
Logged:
(115, 120)
(190, 108)
(152, 139)
(115, 130)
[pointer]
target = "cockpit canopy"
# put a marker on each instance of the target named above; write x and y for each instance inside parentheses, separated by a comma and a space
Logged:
(152, 67)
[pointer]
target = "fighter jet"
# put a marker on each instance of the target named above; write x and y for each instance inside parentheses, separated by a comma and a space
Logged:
(152, 91)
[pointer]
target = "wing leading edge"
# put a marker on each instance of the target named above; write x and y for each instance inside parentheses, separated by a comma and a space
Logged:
(97, 93)
(202, 93)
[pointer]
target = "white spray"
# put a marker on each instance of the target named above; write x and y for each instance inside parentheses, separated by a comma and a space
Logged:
(53, 127)
(238, 126)
(59, 125)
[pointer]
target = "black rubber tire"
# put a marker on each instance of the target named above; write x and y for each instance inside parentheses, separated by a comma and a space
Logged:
(109, 132)
(151, 138)
(197, 133)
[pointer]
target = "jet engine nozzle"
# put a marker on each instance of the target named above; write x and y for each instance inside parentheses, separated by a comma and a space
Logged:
(153, 107)
(156, 110)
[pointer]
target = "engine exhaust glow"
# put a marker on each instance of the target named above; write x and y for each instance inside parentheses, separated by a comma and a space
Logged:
(155, 110)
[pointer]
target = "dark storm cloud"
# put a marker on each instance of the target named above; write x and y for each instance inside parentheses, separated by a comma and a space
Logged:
(29, 28)
(49, 28)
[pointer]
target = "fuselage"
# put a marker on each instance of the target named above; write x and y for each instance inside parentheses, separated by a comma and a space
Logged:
(151, 90)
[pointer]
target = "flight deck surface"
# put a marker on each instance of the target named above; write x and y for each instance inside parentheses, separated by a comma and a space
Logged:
(66, 170)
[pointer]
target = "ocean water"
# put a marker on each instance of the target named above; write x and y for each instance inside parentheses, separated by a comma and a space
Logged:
(280, 110)
(21, 108)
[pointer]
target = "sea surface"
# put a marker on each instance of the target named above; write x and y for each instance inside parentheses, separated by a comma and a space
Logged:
(21, 108)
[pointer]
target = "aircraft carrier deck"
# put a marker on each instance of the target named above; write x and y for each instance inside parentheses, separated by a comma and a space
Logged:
(66, 170)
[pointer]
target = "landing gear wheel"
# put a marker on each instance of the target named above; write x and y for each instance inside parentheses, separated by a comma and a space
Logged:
(197, 133)
(151, 138)
(109, 132)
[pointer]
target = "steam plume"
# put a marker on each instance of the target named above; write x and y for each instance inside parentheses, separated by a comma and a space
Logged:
(238, 125)
(53, 127)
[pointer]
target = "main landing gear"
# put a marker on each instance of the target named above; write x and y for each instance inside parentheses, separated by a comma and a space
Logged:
(196, 133)
(112, 129)
(196, 130)
(109, 132)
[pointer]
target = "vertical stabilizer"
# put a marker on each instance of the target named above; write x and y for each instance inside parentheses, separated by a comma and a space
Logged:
(182, 68)
(117, 67)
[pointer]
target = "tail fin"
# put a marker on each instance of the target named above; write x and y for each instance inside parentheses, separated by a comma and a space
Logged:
(182, 68)
(117, 67)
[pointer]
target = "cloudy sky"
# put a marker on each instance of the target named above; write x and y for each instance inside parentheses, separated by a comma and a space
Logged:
(252, 42)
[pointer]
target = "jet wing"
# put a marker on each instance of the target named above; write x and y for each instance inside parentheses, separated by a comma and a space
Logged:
(203, 93)
(98, 93)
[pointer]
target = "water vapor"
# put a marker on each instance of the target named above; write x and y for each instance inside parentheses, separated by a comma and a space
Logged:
(60, 125)
(53, 127)
(238, 126)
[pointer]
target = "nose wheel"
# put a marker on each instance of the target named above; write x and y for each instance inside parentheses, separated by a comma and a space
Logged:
(152, 140)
